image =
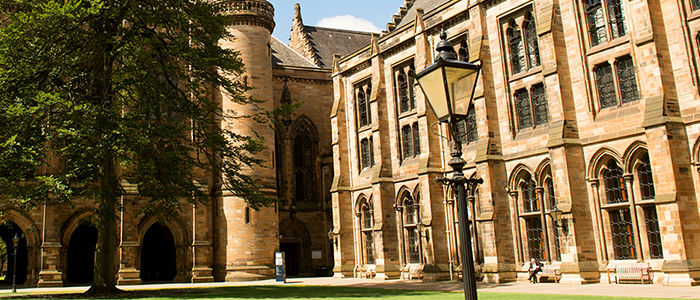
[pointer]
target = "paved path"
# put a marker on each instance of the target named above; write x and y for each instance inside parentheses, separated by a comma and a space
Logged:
(621, 290)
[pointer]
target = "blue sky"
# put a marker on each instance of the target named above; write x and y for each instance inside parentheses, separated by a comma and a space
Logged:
(344, 14)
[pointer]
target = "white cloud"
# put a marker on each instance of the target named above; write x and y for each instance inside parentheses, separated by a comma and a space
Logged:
(348, 22)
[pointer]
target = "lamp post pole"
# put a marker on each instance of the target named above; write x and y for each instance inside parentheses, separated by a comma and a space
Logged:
(458, 182)
(449, 85)
(15, 242)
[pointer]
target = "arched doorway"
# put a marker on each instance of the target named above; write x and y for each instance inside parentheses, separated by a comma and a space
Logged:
(158, 254)
(7, 233)
(80, 262)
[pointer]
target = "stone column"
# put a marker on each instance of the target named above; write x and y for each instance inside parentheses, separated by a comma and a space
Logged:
(50, 274)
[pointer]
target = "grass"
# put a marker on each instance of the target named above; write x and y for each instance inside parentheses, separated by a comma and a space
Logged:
(311, 293)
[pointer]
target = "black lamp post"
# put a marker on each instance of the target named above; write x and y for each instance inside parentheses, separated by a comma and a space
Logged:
(449, 85)
(15, 242)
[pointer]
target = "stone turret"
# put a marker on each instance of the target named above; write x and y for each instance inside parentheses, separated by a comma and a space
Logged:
(246, 239)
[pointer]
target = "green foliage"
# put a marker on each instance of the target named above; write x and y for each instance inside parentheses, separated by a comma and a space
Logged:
(94, 92)
(90, 89)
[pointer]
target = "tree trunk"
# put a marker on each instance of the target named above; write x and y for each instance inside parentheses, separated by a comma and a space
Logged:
(104, 280)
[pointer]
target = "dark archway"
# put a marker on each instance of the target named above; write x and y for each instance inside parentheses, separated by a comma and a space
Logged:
(292, 257)
(158, 254)
(7, 232)
(80, 264)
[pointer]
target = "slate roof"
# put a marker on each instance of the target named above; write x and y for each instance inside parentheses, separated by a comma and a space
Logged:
(282, 55)
(427, 6)
(329, 41)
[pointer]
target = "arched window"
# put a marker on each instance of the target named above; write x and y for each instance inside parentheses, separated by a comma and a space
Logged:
(646, 180)
(529, 195)
(596, 22)
(412, 218)
(533, 49)
(552, 202)
(367, 221)
(515, 45)
(599, 28)
(404, 101)
(617, 18)
(304, 166)
(615, 191)
(363, 108)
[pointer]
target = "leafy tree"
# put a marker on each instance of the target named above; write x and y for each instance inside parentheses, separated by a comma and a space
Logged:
(94, 91)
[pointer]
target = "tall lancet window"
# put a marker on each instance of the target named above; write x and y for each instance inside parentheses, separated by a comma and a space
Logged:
(304, 167)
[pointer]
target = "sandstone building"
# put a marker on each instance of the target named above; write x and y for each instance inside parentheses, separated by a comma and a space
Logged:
(590, 106)
(225, 240)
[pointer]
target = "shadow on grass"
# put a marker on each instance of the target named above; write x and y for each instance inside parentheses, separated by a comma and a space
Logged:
(249, 292)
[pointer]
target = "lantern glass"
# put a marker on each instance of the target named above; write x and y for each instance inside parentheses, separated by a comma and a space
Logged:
(15, 240)
(556, 214)
(449, 87)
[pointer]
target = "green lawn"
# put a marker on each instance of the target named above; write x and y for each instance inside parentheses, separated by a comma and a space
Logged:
(312, 292)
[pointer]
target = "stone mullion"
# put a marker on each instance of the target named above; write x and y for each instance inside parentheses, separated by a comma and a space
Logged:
(517, 236)
(543, 220)
(50, 274)
(598, 220)
(629, 180)
(201, 245)
(129, 271)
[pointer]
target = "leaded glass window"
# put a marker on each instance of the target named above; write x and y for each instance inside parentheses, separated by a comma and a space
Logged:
(529, 195)
(522, 106)
(371, 151)
(622, 236)
(407, 136)
(695, 4)
(412, 85)
(617, 18)
(463, 52)
(367, 217)
(596, 22)
(615, 190)
(365, 156)
(362, 108)
(416, 139)
(515, 45)
(540, 103)
(369, 247)
(470, 124)
(367, 220)
(535, 237)
(550, 192)
(412, 212)
(533, 49)
(606, 85)
(402, 82)
(627, 79)
(653, 233)
(304, 168)
(646, 180)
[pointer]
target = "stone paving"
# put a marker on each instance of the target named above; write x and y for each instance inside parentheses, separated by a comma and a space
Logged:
(619, 290)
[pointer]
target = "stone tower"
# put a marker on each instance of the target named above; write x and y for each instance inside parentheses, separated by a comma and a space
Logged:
(245, 239)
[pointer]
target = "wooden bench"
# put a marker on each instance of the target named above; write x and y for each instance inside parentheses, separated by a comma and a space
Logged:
(550, 271)
(634, 272)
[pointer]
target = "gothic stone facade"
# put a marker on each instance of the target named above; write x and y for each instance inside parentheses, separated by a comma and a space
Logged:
(589, 106)
(225, 240)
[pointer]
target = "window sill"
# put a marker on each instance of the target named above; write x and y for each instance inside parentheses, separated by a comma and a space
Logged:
(617, 111)
(410, 160)
(365, 128)
(409, 113)
(694, 15)
(530, 214)
(608, 45)
(615, 205)
(528, 72)
(530, 132)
